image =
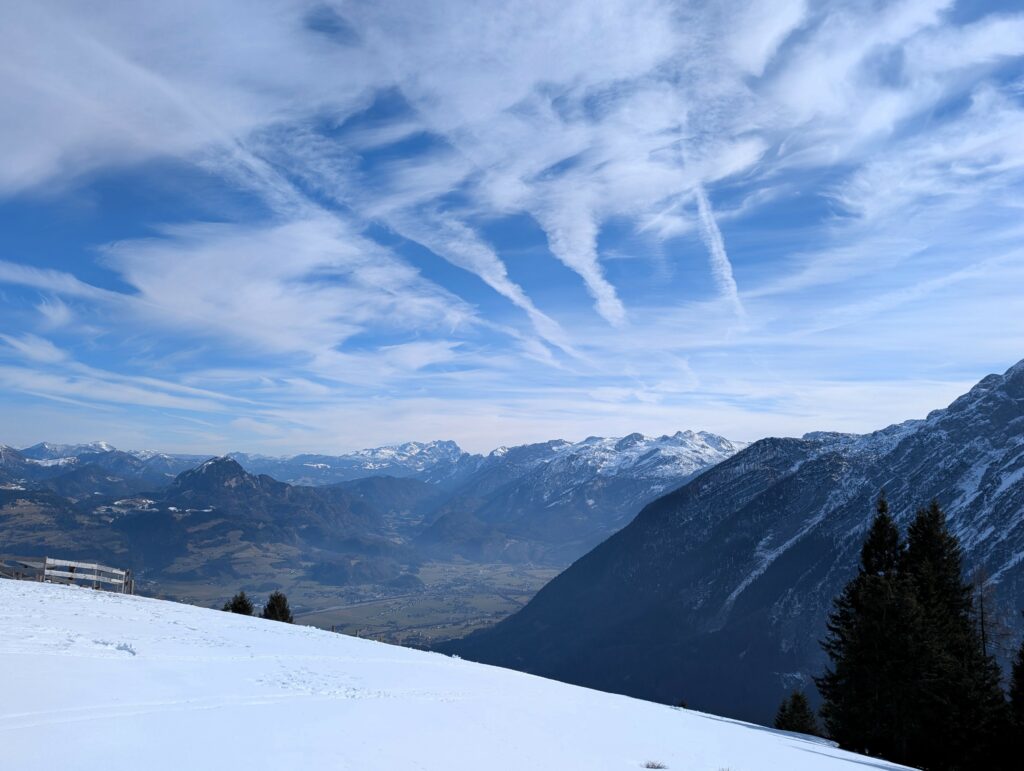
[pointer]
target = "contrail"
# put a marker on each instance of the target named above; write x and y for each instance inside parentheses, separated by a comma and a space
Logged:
(572, 239)
(721, 268)
(462, 247)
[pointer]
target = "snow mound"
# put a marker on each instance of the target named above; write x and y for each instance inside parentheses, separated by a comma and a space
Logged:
(97, 680)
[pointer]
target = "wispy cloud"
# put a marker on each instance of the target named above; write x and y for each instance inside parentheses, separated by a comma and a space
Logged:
(458, 244)
(406, 214)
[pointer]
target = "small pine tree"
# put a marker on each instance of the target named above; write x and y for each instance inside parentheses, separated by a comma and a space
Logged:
(277, 608)
(240, 603)
(782, 715)
(795, 714)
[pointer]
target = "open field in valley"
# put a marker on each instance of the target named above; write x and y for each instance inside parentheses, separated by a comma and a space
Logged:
(455, 599)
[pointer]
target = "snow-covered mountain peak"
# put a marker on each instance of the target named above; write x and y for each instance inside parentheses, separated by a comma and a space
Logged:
(217, 463)
(147, 454)
(215, 472)
(654, 461)
(629, 441)
(680, 451)
(51, 451)
(423, 452)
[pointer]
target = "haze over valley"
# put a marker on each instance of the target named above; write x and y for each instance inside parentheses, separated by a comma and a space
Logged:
(412, 543)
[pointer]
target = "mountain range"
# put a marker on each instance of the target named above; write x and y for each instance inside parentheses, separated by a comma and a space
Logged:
(440, 462)
(188, 518)
(717, 593)
(552, 502)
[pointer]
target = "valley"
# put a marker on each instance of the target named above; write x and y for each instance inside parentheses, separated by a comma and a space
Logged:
(455, 599)
(415, 544)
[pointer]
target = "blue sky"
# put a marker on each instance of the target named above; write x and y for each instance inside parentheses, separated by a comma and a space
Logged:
(289, 226)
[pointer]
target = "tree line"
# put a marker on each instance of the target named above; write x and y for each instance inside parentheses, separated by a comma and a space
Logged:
(910, 677)
(275, 609)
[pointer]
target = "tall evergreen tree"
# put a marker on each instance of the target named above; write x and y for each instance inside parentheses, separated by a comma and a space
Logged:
(871, 644)
(910, 678)
(960, 710)
(277, 608)
(795, 714)
(240, 603)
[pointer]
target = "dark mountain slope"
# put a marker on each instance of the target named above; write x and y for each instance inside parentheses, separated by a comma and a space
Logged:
(40, 523)
(718, 592)
(214, 520)
(12, 465)
(85, 480)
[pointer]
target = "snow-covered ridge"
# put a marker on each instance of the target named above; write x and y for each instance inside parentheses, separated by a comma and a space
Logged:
(668, 456)
(47, 462)
(98, 680)
(50, 451)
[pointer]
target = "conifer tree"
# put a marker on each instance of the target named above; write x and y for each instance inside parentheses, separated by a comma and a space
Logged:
(910, 678)
(277, 608)
(960, 711)
(240, 603)
(795, 714)
(872, 643)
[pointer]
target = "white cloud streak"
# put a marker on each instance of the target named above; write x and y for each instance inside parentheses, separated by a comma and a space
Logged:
(721, 268)
(592, 119)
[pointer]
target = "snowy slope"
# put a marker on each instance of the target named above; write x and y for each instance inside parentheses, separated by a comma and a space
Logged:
(100, 681)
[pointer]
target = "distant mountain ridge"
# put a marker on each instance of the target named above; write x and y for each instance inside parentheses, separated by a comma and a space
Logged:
(49, 451)
(555, 500)
(718, 592)
(109, 467)
(219, 521)
(195, 518)
(437, 462)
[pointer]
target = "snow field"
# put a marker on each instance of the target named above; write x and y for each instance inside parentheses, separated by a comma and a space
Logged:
(92, 680)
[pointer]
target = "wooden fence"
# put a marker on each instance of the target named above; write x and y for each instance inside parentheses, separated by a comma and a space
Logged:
(68, 572)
